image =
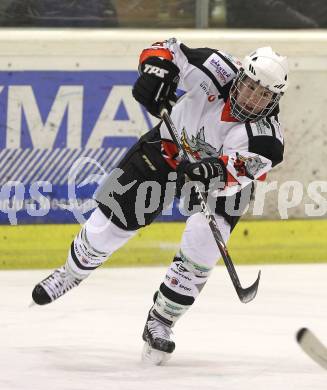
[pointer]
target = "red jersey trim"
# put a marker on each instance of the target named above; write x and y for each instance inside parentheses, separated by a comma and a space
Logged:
(226, 114)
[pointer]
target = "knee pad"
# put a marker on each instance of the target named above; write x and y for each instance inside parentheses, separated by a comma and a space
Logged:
(104, 235)
(198, 244)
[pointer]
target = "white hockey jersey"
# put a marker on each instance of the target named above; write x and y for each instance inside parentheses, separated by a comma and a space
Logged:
(202, 116)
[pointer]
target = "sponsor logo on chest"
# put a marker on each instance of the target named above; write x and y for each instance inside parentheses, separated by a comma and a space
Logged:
(211, 96)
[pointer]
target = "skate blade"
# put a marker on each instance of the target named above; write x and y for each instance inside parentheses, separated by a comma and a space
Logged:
(153, 357)
(32, 304)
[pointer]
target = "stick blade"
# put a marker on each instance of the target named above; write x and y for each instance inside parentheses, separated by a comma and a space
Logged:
(248, 294)
(312, 346)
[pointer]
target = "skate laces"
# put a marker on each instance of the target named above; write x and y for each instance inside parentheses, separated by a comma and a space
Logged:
(59, 282)
(159, 330)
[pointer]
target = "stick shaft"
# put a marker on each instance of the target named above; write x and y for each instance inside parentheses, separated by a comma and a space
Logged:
(208, 214)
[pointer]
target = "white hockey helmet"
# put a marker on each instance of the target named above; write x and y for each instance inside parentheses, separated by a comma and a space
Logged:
(269, 71)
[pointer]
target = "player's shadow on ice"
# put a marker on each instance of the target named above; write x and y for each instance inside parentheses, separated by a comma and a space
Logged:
(116, 361)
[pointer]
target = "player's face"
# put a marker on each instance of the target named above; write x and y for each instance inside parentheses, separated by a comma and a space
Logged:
(251, 96)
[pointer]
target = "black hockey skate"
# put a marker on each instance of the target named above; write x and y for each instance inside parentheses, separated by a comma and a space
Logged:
(158, 345)
(54, 286)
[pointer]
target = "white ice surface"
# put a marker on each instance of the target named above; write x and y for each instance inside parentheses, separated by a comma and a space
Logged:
(91, 338)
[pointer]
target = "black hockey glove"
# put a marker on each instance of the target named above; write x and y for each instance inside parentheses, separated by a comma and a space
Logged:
(203, 171)
(157, 84)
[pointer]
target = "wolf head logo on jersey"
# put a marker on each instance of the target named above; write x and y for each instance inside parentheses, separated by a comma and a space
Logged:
(197, 146)
(248, 166)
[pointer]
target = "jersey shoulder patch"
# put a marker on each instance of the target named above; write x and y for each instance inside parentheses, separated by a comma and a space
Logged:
(269, 126)
(266, 138)
(221, 69)
(215, 64)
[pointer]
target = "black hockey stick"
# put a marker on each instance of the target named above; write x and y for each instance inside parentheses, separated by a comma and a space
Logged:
(244, 294)
(312, 346)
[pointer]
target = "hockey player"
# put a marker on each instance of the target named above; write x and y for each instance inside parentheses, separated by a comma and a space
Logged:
(228, 121)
